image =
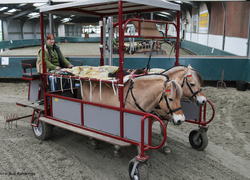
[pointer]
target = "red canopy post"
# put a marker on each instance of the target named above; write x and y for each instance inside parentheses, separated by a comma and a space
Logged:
(121, 63)
(177, 45)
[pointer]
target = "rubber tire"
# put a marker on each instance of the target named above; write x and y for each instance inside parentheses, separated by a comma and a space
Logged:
(141, 170)
(46, 131)
(241, 85)
(201, 143)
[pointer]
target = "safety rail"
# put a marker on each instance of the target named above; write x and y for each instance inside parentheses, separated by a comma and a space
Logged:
(149, 21)
(80, 78)
(203, 111)
(144, 115)
(144, 147)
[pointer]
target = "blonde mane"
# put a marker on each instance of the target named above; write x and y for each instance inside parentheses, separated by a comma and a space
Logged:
(151, 77)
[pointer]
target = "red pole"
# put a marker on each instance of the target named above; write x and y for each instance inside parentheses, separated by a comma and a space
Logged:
(121, 62)
(44, 69)
(177, 45)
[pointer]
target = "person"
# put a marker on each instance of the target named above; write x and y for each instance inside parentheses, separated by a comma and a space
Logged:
(54, 58)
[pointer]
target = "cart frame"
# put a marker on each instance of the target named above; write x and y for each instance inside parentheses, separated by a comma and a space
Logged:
(48, 110)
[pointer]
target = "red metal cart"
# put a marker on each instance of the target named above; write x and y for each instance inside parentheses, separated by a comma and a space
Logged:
(115, 125)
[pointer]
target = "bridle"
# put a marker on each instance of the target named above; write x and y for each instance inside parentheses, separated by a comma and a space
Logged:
(163, 97)
(171, 111)
(194, 94)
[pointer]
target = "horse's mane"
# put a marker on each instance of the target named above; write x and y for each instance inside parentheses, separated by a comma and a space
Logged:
(175, 68)
(182, 67)
(151, 76)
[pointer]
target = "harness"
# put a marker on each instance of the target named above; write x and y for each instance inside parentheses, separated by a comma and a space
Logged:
(189, 87)
(163, 96)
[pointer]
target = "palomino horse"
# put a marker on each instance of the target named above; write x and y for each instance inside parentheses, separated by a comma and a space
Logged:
(190, 81)
(142, 93)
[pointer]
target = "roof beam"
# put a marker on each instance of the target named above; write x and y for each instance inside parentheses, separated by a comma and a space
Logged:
(23, 13)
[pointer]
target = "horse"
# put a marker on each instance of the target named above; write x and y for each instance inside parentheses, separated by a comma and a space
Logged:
(142, 93)
(190, 81)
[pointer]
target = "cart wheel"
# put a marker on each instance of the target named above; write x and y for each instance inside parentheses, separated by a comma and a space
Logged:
(140, 170)
(43, 131)
(198, 139)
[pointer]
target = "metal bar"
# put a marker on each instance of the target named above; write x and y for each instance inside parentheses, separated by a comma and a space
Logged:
(44, 69)
(101, 48)
(29, 91)
(137, 11)
(51, 107)
(77, 78)
(142, 155)
(151, 37)
(204, 112)
(150, 123)
(115, 8)
(18, 118)
(177, 45)
(81, 11)
(204, 123)
(121, 61)
(104, 40)
(200, 114)
(97, 5)
(82, 115)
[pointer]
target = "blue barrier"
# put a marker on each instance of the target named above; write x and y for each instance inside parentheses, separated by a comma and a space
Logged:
(235, 68)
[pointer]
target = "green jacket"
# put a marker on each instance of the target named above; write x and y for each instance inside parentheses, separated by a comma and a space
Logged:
(54, 57)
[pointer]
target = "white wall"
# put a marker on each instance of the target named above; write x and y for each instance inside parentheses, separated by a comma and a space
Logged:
(215, 41)
(61, 30)
(236, 45)
(203, 39)
(233, 45)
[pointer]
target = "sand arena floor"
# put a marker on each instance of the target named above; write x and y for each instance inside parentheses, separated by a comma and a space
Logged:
(70, 156)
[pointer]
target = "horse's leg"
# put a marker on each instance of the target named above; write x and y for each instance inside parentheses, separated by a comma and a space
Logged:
(165, 148)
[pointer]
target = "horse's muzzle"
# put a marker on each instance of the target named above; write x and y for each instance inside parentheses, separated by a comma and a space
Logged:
(178, 119)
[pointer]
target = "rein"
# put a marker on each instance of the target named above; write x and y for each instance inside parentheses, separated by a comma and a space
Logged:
(130, 89)
(171, 111)
(163, 96)
(190, 88)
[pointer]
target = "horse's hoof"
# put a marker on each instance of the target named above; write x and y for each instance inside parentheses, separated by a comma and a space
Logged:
(166, 150)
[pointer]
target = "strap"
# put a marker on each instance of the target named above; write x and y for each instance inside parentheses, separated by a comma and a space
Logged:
(137, 105)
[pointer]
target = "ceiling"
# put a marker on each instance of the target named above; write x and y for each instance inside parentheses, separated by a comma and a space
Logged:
(29, 11)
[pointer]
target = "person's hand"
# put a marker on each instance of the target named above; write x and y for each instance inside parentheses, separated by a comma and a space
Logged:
(57, 68)
(70, 66)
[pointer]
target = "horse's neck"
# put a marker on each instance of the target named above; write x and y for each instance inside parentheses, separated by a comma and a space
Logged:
(147, 94)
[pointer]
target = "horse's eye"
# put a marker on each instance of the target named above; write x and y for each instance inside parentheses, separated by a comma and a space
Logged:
(192, 84)
(170, 99)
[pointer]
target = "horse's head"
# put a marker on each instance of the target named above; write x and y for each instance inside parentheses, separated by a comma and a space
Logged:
(191, 85)
(169, 104)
